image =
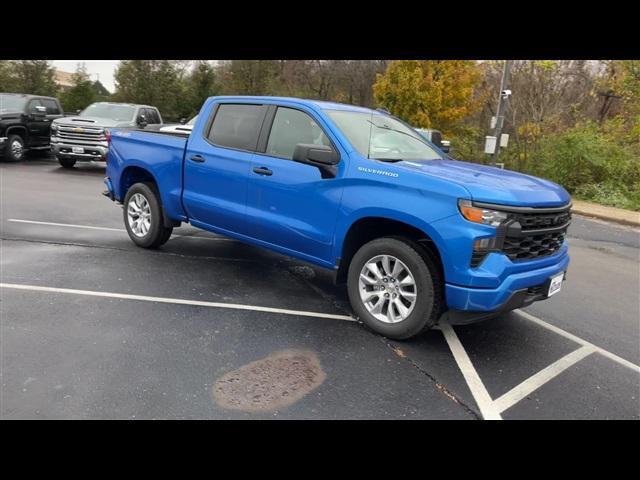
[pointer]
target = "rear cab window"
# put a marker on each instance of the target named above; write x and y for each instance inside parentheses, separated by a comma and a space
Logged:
(51, 106)
(152, 116)
(36, 102)
(237, 126)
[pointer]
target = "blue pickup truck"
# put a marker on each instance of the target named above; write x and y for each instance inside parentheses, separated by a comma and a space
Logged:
(416, 236)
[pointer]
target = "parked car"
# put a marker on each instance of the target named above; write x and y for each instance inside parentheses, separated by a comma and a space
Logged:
(180, 128)
(25, 123)
(417, 237)
(84, 137)
(435, 137)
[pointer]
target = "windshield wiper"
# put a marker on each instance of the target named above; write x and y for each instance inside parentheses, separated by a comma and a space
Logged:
(384, 127)
(390, 160)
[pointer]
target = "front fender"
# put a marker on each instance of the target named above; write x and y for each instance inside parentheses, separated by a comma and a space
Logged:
(345, 223)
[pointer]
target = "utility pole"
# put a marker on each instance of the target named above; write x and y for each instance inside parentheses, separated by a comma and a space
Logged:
(502, 98)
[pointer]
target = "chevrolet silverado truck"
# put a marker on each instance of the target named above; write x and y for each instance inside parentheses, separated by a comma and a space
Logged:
(83, 138)
(416, 237)
(25, 123)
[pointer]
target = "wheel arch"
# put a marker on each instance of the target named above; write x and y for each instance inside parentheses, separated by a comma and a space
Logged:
(19, 130)
(133, 174)
(368, 228)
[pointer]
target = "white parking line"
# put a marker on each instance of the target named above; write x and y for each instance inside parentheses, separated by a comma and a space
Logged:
(108, 229)
(176, 301)
(534, 382)
(571, 336)
(35, 222)
(478, 390)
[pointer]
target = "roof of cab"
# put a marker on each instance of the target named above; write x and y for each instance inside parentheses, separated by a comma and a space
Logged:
(321, 104)
(125, 104)
(27, 95)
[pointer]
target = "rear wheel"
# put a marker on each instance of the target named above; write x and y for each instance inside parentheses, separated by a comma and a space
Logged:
(395, 287)
(66, 162)
(143, 217)
(14, 151)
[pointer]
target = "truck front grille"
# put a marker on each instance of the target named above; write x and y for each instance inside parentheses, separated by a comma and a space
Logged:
(528, 234)
(81, 135)
(534, 221)
(532, 235)
(533, 246)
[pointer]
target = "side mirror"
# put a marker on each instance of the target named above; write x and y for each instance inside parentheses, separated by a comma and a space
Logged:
(183, 121)
(445, 146)
(141, 121)
(78, 111)
(320, 156)
(39, 112)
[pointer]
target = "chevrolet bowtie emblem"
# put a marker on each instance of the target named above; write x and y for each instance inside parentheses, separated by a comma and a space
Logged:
(78, 130)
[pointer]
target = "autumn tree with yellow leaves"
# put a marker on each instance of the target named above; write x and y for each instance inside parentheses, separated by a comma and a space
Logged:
(430, 93)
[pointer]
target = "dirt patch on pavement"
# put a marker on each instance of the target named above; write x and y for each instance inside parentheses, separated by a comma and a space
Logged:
(271, 383)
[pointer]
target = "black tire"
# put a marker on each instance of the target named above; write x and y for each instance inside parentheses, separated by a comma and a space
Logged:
(428, 284)
(157, 234)
(66, 162)
(9, 154)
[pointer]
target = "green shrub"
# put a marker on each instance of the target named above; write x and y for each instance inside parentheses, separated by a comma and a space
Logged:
(611, 194)
(583, 155)
(467, 144)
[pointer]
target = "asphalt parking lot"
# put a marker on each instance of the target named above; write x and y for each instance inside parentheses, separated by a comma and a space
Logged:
(94, 327)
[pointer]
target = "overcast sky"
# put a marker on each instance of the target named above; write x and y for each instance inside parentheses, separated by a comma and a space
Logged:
(98, 69)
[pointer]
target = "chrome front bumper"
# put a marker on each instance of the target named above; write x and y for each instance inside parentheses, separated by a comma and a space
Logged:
(91, 151)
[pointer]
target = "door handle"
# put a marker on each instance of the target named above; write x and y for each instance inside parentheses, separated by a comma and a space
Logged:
(197, 158)
(262, 171)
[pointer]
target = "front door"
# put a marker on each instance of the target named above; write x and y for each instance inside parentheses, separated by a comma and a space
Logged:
(289, 204)
(39, 127)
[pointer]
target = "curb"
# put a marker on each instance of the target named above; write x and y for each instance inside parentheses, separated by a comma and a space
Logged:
(611, 214)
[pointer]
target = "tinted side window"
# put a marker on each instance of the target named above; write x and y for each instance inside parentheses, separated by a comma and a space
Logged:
(153, 115)
(33, 104)
(237, 126)
(291, 127)
(52, 106)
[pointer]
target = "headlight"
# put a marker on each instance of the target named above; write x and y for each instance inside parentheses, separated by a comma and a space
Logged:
(54, 128)
(481, 215)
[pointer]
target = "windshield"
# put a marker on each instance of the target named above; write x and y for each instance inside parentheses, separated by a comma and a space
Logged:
(12, 103)
(381, 137)
(119, 113)
(192, 121)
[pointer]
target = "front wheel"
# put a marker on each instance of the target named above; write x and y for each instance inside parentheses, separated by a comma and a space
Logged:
(395, 287)
(66, 162)
(143, 217)
(14, 151)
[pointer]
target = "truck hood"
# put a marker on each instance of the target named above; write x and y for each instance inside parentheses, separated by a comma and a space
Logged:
(91, 122)
(494, 185)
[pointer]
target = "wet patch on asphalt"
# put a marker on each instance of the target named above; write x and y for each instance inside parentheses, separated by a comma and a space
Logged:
(273, 382)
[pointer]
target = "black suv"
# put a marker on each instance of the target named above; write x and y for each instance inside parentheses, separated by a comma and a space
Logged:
(25, 123)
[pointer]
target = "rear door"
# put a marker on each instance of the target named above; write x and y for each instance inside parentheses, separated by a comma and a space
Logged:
(290, 205)
(53, 111)
(217, 165)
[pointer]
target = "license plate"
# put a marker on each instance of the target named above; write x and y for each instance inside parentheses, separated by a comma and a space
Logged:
(77, 149)
(555, 285)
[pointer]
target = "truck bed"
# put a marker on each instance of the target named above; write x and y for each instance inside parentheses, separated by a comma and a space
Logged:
(161, 153)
